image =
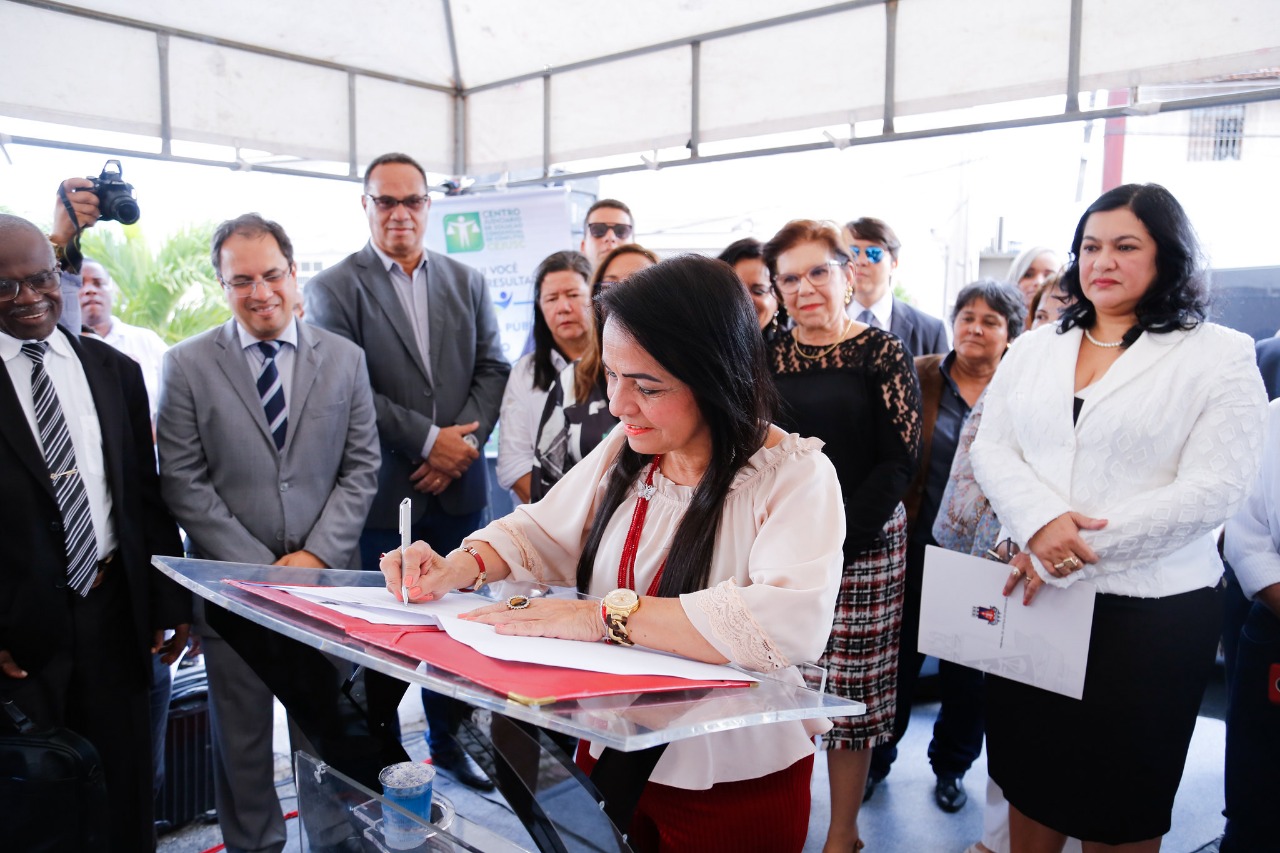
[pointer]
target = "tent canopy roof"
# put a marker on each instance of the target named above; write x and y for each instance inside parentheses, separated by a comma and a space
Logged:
(474, 87)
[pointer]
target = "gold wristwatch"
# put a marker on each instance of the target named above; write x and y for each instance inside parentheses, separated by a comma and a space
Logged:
(614, 610)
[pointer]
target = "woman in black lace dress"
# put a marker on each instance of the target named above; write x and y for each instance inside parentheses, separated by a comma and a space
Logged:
(853, 387)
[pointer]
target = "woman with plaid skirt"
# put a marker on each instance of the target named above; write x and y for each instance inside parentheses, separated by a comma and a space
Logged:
(853, 387)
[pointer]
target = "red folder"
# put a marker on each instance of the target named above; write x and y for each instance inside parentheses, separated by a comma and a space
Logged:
(526, 683)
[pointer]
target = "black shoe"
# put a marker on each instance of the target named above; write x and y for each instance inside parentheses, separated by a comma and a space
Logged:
(872, 784)
(949, 793)
(462, 767)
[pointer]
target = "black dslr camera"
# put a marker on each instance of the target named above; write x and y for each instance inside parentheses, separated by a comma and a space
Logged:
(115, 197)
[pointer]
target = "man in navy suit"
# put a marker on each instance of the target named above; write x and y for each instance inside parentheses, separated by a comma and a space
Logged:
(874, 248)
(75, 647)
(430, 337)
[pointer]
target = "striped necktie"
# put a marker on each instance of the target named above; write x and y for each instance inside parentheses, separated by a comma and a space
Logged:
(60, 457)
(271, 391)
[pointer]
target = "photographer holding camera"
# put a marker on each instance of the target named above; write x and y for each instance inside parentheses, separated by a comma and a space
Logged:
(80, 203)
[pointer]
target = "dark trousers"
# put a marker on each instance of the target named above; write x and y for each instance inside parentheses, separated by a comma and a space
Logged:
(443, 532)
(1253, 737)
(958, 729)
(158, 698)
(98, 687)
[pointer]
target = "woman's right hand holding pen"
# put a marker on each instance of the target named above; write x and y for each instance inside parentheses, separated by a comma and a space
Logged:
(426, 574)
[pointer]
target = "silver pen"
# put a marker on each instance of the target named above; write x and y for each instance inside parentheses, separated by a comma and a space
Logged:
(406, 513)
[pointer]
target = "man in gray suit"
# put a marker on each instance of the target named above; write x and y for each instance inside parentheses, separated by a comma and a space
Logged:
(429, 332)
(268, 454)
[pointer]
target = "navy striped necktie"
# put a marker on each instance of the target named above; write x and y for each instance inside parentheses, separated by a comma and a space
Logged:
(271, 390)
(60, 457)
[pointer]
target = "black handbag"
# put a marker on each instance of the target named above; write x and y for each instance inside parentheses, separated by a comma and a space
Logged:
(53, 794)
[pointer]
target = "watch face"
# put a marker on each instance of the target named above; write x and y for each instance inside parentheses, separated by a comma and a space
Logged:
(622, 599)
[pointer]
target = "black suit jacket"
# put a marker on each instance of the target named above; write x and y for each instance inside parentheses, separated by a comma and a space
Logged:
(34, 620)
(1269, 365)
(922, 334)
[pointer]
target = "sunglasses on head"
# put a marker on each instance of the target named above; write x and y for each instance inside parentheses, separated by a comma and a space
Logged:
(874, 253)
(599, 229)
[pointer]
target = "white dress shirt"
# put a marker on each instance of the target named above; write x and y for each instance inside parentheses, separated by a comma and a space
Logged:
(284, 355)
(146, 348)
(882, 308)
(76, 400)
(522, 406)
(1252, 541)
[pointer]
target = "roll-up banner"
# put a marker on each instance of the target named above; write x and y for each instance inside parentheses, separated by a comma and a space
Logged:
(505, 236)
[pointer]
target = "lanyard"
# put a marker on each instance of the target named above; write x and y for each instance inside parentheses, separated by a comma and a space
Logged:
(627, 565)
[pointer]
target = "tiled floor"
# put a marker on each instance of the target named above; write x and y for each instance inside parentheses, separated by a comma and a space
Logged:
(900, 818)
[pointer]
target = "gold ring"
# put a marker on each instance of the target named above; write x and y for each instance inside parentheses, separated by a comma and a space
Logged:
(1072, 561)
(518, 602)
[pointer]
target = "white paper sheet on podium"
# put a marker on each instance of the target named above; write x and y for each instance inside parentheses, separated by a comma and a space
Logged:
(965, 619)
(375, 604)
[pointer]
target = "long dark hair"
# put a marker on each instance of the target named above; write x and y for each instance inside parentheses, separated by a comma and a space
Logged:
(1179, 297)
(544, 372)
(693, 316)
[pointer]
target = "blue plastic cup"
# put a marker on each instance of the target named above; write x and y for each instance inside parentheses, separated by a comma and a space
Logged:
(408, 785)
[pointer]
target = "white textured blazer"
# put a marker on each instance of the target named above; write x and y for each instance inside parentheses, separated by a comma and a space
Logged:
(1166, 448)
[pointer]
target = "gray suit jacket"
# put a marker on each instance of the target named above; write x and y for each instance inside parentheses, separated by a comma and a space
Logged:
(237, 497)
(356, 299)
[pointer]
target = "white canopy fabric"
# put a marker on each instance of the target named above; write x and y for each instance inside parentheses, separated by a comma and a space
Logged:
(488, 86)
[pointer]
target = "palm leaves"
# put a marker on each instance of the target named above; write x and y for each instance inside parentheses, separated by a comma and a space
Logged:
(173, 292)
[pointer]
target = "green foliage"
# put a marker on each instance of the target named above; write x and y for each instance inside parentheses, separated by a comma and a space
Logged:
(173, 292)
(902, 294)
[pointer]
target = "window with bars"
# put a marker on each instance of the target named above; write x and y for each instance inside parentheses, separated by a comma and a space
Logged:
(1217, 133)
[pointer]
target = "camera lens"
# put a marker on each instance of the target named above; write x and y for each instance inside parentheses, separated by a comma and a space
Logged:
(124, 210)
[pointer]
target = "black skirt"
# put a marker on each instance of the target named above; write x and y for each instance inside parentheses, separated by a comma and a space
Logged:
(1106, 767)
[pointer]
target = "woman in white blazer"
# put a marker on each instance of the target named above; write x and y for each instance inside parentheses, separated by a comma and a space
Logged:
(1111, 448)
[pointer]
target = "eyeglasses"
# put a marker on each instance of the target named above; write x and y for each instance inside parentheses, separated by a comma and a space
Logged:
(874, 253)
(1003, 552)
(599, 229)
(819, 276)
(247, 286)
(387, 203)
(41, 282)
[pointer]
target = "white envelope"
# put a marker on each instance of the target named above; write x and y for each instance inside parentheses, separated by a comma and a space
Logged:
(965, 619)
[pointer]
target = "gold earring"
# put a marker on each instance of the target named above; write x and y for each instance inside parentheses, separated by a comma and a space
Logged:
(848, 294)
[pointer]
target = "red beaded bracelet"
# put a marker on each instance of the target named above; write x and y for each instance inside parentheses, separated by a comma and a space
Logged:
(482, 577)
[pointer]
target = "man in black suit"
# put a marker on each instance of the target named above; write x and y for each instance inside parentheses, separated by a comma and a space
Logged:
(81, 610)
(874, 247)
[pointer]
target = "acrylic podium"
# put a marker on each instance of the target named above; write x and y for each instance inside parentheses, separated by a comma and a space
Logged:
(558, 819)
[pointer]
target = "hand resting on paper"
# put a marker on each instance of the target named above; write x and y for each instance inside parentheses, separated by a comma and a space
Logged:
(544, 617)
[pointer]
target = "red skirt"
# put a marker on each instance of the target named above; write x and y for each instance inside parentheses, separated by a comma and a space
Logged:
(767, 813)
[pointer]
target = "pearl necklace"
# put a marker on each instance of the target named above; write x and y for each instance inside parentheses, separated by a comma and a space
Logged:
(795, 343)
(1098, 343)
